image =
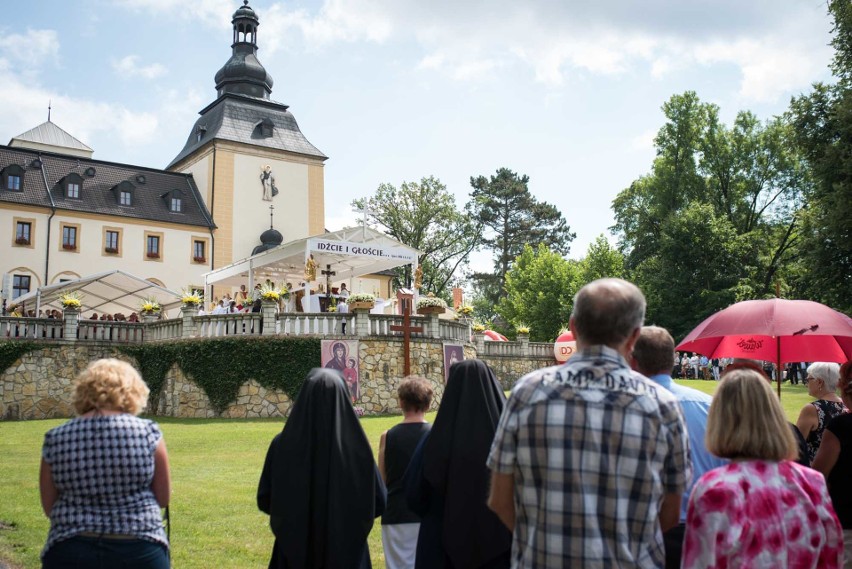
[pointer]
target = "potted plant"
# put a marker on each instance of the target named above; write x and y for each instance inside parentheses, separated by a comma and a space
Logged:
(199, 259)
(269, 293)
(523, 331)
(431, 305)
(111, 250)
(361, 300)
(69, 246)
(478, 328)
(191, 298)
(153, 255)
(149, 308)
(465, 311)
(71, 301)
(22, 241)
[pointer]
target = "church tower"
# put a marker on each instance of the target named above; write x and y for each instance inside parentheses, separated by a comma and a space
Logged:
(246, 153)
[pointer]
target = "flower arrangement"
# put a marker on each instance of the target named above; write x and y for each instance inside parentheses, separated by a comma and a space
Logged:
(198, 259)
(69, 246)
(22, 241)
(358, 410)
(477, 327)
(270, 293)
(361, 297)
(465, 310)
(191, 297)
(429, 301)
(332, 308)
(149, 306)
(111, 250)
(522, 329)
(71, 300)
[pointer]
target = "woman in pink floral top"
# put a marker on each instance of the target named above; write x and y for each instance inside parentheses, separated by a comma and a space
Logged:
(762, 509)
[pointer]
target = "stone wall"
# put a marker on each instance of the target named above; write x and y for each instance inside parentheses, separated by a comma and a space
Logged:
(510, 369)
(39, 384)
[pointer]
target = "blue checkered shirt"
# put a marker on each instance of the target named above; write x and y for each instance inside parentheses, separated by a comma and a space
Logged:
(593, 447)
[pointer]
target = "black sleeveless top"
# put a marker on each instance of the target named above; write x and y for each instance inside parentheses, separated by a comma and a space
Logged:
(400, 443)
(838, 478)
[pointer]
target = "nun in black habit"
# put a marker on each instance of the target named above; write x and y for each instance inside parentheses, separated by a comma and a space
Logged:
(320, 484)
(447, 481)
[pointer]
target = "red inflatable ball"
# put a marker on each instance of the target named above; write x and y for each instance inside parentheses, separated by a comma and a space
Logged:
(564, 347)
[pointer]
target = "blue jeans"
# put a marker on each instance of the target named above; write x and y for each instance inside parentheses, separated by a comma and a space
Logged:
(105, 553)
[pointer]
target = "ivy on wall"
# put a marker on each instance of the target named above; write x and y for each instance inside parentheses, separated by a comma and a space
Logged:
(220, 366)
(11, 351)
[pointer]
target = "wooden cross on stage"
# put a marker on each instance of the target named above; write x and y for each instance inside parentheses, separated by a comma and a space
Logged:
(406, 330)
(328, 274)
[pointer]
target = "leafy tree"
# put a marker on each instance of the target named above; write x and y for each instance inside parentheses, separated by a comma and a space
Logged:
(512, 217)
(540, 290)
(424, 216)
(823, 131)
(602, 260)
(739, 188)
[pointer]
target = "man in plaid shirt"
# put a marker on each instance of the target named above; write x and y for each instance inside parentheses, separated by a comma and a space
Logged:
(590, 458)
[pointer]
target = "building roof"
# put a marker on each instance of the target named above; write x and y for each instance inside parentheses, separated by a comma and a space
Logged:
(45, 175)
(50, 134)
(239, 118)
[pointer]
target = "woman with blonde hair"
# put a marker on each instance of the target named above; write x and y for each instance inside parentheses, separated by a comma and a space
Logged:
(834, 460)
(762, 509)
(105, 475)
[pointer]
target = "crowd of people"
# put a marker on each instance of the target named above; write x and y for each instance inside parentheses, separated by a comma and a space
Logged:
(603, 461)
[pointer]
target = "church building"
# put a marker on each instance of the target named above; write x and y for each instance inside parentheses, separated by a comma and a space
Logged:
(245, 162)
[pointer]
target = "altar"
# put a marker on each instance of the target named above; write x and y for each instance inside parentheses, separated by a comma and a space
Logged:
(346, 254)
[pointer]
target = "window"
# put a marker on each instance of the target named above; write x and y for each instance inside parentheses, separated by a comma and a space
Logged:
(111, 242)
(13, 175)
(198, 251)
(175, 205)
(125, 198)
(69, 237)
(23, 231)
(153, 246)
(73, 190)
(20, 285)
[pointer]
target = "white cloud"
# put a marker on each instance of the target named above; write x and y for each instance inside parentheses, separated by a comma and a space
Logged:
(215, 13)
(644, 142)
(128, 67)
(33, 48)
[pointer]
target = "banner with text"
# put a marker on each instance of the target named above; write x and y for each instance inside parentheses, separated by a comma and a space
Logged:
(374, 251)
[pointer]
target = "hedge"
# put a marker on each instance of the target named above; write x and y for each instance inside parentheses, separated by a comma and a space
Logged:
(220, 366)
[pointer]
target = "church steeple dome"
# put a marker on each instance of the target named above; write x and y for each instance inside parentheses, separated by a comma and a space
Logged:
(243, 74)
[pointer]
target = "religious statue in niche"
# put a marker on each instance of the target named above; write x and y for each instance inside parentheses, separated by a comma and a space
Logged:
(268, 181)
(418, 277)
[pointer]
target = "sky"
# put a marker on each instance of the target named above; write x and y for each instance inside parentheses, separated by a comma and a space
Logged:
(566, 92)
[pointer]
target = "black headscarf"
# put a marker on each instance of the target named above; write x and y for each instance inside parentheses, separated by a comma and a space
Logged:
(319, 480)
(454, 464)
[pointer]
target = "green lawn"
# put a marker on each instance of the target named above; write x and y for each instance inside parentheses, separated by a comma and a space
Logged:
(215, 468)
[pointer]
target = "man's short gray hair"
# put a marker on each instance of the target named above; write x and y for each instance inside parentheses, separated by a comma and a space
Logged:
(608, 311)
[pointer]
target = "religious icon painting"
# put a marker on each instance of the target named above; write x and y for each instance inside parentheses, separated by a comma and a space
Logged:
(342, 355)
(453, 353)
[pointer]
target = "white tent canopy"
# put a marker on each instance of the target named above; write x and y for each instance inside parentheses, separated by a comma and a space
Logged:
(350, 253)
(104, 293)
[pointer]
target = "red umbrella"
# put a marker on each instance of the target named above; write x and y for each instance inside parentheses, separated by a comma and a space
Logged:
(774, 330)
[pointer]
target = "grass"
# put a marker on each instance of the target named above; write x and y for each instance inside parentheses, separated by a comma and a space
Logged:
(215, 468)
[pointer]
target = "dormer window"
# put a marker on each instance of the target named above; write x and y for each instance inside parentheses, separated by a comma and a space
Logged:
(13, 176)
(265, 128)
(124, 193)
(174, 201)
(73, 186)
(200, 131)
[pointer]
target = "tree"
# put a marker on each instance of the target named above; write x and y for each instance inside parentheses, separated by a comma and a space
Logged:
(602, 260)
(424, 216)
(822, 123)
(739, 188)
(512, 217)
(540, 290)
